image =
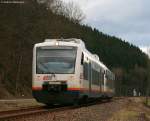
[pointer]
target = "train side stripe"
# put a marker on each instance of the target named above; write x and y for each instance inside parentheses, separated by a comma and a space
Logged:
(73, 89)
(36, 88)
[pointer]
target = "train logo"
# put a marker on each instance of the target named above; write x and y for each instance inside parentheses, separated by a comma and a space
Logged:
(50, 77)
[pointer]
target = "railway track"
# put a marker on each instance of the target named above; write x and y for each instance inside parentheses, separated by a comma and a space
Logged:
(20, 112)
(12, 114)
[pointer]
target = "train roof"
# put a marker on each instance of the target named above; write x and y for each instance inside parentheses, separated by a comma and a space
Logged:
(70, 41)
(73, 42)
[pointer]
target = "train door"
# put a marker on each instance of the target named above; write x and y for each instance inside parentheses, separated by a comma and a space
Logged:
(90, 76)
(105, 83)
(102, 81)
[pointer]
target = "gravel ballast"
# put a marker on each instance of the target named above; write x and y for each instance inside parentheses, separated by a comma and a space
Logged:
(107, 111)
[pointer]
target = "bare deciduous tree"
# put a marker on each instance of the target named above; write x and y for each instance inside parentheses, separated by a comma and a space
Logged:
(57, 6)
(73, 12)
(70, 10)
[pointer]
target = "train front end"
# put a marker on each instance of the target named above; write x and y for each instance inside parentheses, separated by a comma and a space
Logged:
(55, 74)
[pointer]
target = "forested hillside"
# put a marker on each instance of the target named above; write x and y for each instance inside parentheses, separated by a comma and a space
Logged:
(23, 25)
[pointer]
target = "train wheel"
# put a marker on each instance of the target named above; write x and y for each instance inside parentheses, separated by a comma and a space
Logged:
(49, 105)
(109, 98)
(83, 100)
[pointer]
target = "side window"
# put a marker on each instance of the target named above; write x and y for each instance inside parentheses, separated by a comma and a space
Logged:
(104, 77)
(85, 68)
(95, 74)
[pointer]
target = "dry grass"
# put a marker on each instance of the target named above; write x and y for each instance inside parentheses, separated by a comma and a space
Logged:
(149, 102)
(133, 111)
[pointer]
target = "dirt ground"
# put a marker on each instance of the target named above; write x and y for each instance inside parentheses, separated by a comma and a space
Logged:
(125, 109)
(17, 104)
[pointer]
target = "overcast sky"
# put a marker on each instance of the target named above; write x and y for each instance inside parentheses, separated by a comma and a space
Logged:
(126, 19)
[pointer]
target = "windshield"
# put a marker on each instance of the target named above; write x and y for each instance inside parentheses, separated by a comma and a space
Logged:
(60, 60)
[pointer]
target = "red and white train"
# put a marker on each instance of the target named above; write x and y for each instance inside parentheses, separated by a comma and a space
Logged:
(64, 71)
